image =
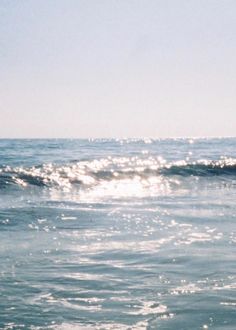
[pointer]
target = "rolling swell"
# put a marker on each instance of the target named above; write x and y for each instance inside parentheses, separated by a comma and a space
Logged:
(198, 169)
(88, 174)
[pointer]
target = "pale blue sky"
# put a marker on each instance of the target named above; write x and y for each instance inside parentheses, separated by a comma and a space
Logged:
(117, 68)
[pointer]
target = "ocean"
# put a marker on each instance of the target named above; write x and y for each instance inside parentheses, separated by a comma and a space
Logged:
(118, 234)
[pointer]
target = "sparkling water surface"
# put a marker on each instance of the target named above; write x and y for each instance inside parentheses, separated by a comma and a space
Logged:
(118, 234)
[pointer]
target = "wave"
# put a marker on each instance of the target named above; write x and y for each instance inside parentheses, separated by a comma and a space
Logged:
(201, 169)
(91, 173)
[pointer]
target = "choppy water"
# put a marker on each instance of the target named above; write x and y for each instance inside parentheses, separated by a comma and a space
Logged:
(118, 234)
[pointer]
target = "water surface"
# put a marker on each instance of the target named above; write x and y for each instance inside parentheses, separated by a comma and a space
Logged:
(118, 234)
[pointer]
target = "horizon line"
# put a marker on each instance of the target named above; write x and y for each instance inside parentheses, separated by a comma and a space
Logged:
(123, 138)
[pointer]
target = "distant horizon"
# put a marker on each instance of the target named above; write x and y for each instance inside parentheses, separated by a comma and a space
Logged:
(121, 138)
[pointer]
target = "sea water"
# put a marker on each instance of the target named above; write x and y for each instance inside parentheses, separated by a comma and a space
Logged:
(118, 234)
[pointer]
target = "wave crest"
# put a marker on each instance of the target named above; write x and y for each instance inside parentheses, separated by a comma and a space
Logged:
(91, 173)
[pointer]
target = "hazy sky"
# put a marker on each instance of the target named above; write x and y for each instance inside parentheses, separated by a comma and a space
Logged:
(117, 68)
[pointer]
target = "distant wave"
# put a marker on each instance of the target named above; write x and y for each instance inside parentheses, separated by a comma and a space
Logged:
(91, 173)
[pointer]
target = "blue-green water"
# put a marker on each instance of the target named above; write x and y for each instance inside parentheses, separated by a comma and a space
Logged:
(118, 234)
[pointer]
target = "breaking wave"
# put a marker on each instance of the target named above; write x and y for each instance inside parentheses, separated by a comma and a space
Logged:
(91, 173)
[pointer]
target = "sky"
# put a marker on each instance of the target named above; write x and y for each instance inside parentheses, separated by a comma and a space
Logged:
(117, 68)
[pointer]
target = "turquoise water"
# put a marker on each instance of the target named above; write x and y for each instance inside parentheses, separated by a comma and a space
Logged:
(118, 234)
